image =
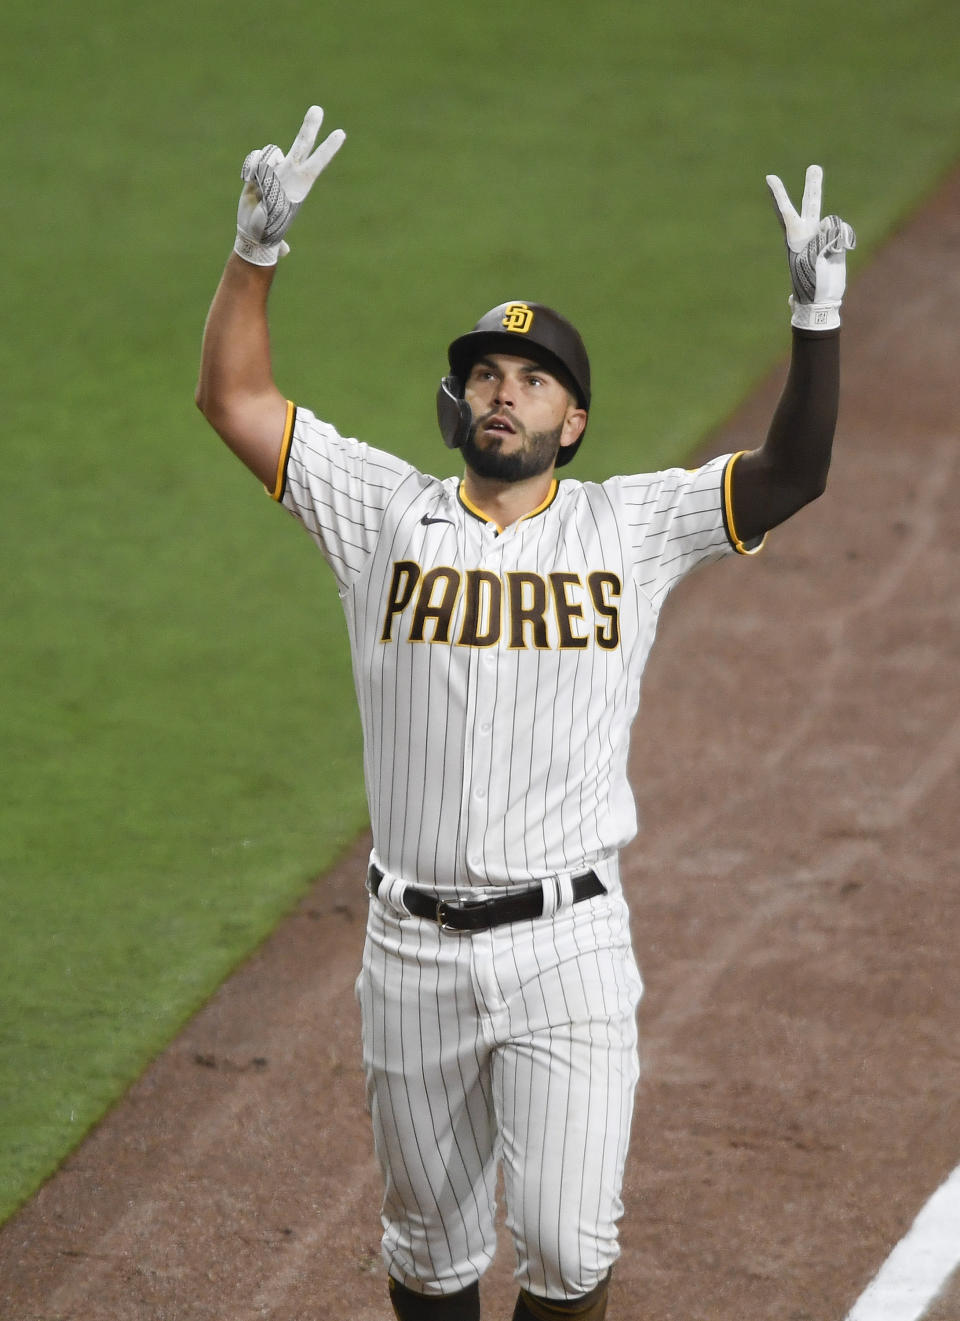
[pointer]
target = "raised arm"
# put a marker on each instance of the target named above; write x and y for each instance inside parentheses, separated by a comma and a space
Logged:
(236, 391)
(790, 468)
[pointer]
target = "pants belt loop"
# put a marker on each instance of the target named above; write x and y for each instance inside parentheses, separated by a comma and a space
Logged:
(557, 894)
(390, 893)
(551, 895)
(564, 891)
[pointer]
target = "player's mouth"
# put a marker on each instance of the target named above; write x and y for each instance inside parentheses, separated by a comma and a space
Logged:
(498, 424)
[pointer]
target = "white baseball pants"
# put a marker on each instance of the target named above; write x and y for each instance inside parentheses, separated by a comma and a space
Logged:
(516, 1045)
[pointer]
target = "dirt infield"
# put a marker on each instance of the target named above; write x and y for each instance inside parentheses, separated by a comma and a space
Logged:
(796, 914)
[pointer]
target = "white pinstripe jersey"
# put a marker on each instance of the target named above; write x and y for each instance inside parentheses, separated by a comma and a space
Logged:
(497, 673)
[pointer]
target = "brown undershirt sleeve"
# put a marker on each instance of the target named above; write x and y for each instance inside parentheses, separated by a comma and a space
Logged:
(790, 468)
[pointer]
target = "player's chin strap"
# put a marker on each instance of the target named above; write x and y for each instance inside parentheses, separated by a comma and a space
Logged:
(591, 1307)
(453, 412)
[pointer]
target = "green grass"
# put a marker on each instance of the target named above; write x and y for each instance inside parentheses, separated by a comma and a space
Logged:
(180, 752)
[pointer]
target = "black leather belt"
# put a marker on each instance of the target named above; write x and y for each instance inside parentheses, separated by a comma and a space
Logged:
(479, 914)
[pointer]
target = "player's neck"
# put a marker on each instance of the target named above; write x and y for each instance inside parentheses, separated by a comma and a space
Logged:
(504, 503)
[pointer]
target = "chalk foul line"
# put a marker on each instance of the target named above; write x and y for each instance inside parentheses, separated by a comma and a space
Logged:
(921, 1263)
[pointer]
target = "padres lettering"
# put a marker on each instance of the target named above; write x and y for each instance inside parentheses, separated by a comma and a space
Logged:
(543, 611)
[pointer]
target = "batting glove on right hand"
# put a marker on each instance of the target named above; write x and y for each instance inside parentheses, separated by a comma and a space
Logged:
(274, 187)
(816, 251)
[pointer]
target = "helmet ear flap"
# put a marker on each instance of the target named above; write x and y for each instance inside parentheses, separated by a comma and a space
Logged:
(453, 412)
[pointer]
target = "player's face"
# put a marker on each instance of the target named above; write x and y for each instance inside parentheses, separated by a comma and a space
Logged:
(522, 415)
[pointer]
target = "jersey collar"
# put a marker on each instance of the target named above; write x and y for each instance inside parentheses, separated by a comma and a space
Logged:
(479, 514)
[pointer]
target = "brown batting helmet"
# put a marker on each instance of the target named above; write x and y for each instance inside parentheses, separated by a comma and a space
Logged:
(524, 328)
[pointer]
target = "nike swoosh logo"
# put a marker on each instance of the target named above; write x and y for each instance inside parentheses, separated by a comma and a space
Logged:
(427, 520)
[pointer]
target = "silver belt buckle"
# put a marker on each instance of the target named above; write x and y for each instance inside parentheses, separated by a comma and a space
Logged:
(442, 909)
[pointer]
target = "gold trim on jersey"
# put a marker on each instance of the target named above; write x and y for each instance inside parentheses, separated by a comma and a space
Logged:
(731, 529)
(485, 518)
(281, 478)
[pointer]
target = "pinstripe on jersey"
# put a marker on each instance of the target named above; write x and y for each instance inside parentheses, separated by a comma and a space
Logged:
(458, 629)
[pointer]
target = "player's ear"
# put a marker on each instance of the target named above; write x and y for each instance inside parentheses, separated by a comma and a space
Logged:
(573, 426)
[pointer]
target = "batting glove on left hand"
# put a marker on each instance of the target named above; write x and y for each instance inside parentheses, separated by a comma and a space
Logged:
(816, 251)
(274, 187)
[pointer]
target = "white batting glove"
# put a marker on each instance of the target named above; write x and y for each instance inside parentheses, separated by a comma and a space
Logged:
(274, 187)
(816, 251)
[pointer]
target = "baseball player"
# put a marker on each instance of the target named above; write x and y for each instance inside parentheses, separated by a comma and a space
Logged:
(499, 624)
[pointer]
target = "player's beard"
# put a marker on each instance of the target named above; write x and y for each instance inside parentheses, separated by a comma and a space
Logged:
(537, 454)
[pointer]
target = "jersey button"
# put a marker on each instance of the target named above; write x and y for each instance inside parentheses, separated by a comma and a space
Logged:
(479, 793)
